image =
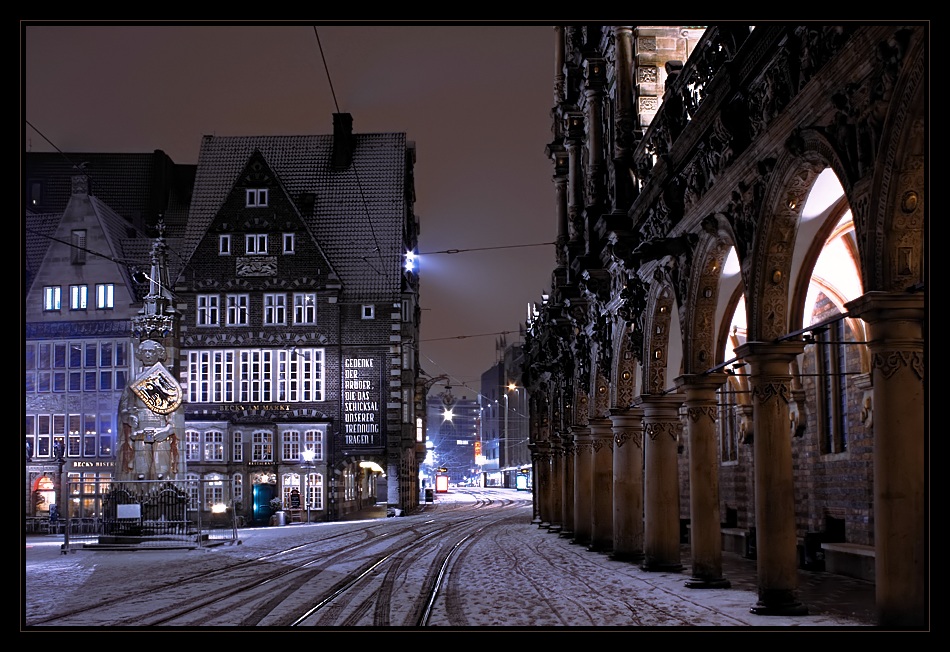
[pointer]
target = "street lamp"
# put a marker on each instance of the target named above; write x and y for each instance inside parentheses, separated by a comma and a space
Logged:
(59, 454)
(510, 388)
(307, 465)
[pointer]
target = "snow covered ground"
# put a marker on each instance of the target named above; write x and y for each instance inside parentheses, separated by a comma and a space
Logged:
(522, 576)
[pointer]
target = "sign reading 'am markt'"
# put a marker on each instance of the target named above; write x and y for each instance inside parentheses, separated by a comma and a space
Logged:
(361, 415)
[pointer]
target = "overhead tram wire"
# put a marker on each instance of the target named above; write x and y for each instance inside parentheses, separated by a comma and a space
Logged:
(359, 185)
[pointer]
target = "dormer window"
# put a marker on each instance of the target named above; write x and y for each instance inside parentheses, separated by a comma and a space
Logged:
(256, 197)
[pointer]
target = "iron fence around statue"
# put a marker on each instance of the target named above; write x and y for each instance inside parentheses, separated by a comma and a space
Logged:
(153, 514)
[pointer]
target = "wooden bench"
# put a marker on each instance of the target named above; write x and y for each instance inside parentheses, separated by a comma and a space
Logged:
(851, 559)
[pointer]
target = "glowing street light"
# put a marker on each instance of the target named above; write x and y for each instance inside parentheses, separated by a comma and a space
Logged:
(307, 456)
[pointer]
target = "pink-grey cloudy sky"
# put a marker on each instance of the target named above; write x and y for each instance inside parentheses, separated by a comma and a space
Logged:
(476, 100)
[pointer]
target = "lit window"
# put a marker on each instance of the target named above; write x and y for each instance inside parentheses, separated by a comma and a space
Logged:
(52, 297)
(105, 296)
(78, 295)
(257, 197)
(255, 243)
(224, 244)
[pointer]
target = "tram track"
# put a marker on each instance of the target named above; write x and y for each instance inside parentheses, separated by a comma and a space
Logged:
(382, 573)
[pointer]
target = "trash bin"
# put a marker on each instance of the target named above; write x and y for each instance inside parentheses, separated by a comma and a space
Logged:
(278, 518)
(428, 495)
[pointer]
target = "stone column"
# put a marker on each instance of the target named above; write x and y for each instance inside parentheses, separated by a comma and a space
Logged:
(661, 425)
(556, 480)
(602, 489)
(775, 535)
(567, 485)
(898, 408)
(628, 484)
(542, 478)
(705, 536)
(582, 484)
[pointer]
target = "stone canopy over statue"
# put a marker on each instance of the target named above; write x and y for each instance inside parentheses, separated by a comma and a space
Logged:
(150, 422)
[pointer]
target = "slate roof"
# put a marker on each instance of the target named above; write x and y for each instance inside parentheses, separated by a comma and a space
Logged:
(138, 186)
(359, 213)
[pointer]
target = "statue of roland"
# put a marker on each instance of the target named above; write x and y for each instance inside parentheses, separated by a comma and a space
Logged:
(150, 421)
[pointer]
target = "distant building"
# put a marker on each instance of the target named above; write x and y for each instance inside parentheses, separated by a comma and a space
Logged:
(505, 419)
(453, 429)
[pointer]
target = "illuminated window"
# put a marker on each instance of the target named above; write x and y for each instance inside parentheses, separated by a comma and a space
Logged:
(105, 296)
(78, 295)
(52, 297)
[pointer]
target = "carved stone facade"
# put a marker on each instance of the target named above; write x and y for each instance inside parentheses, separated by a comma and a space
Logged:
(676, 150)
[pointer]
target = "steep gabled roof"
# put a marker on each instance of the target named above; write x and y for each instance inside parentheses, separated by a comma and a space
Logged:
(357, 214)
(138, 186)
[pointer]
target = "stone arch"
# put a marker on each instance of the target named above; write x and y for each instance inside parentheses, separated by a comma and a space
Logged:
(625, 367)
(656, 345)
(893, 252)
(699, 329)
(768, 269)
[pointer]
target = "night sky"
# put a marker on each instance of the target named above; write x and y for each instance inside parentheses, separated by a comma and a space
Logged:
(476, 100)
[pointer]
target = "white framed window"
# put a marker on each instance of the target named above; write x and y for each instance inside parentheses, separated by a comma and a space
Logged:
(192, 481)
(207, 309)
(275, 309)
(257, 197)
(290, 445)
(368, 311)
(52, 297)
(262, 448)
(305, 308)
(214, 446)
(289, 242)
(237, 447)
(313, 440)
(213, 486)
(105, 296)
(237, 488)
(236, 306)
(78, 296)
(255, 243)
(315, 490)
(255, 375)
(192, 446)
(224, 244)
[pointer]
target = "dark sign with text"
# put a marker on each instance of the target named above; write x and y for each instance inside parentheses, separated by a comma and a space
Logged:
(362, 418)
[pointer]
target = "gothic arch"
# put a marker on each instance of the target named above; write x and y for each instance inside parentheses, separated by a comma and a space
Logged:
(893, 248)
(656, 345)
(699, 329)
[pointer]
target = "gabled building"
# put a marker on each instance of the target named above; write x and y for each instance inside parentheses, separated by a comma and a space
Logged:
(300, 322)
(78, 295)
